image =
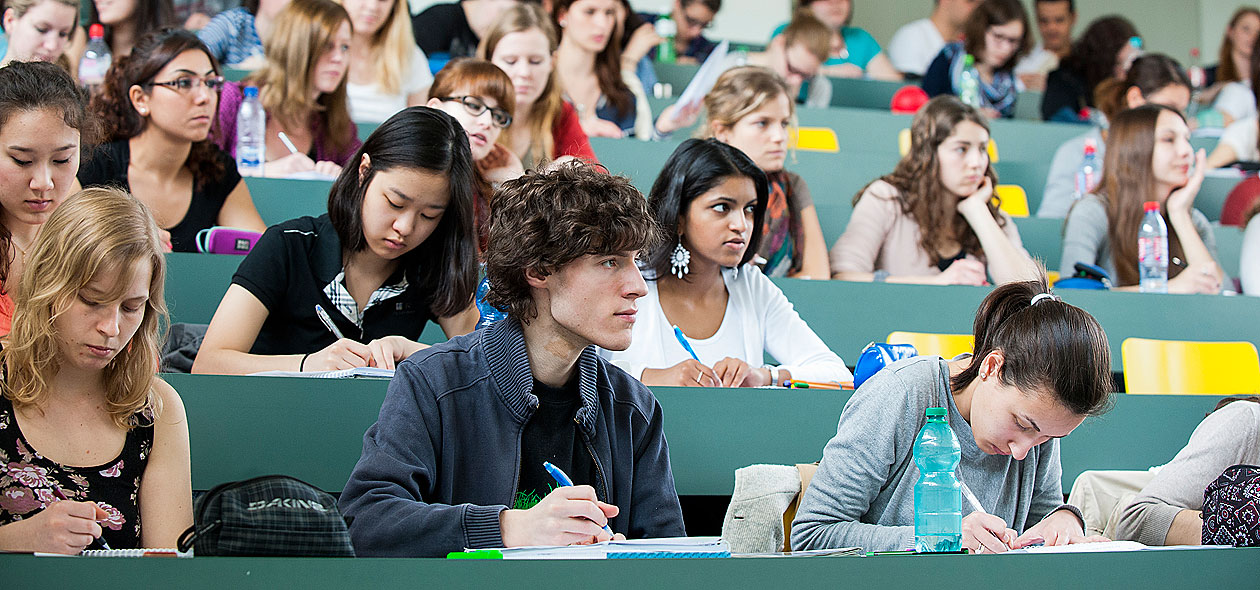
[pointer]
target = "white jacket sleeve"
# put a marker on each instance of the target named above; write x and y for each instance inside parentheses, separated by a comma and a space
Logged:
(789, 339)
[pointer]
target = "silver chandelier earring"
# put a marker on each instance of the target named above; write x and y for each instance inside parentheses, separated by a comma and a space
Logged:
(680, 260)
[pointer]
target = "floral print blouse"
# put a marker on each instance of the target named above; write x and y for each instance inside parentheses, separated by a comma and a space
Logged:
(29, 482)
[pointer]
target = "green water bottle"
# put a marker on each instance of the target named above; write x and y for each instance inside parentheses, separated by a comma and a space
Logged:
(667, 29)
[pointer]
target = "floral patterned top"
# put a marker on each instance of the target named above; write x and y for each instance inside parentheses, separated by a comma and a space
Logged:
(29, 482)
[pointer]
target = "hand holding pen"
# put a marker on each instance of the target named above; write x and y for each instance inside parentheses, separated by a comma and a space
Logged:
(569, 515)
(65, 526)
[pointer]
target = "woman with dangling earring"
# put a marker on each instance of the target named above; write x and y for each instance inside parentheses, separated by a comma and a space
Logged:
(710, 315)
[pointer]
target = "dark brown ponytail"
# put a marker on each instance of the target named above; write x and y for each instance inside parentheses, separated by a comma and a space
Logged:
(1048, 346)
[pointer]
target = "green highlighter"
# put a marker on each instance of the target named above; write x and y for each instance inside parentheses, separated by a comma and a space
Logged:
(476, 554)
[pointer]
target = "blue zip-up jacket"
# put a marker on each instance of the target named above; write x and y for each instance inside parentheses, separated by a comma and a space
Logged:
(442, 460)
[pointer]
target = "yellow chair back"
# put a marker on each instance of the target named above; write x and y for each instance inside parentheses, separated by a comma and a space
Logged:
(816, 139)
(1180, 367)
(1014, 199)
(943, 345)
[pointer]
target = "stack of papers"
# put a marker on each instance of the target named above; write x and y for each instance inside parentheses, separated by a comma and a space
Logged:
(681, 547)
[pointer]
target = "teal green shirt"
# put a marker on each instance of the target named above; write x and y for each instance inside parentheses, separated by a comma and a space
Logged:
(862, 47)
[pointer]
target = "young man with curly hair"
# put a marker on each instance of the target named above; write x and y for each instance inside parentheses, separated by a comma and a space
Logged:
(456, 458)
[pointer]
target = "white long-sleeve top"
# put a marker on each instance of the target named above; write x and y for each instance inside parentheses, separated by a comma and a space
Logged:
(758, 319)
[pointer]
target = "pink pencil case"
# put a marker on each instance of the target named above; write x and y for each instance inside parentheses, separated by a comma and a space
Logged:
(226, 240)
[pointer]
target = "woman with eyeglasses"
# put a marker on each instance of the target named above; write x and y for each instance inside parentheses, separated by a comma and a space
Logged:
(996, 37)
(480, 96)
(157, 107)
(303, 90)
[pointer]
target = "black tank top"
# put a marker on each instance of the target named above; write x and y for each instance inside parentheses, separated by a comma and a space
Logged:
(29, 482)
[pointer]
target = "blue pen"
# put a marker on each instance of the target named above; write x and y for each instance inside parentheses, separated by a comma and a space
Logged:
(564, 481)
(686, 345)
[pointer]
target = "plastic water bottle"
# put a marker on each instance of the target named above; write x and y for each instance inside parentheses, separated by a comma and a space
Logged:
(96, 59)
(969, 82)
(1087, 175)
(937, 495)
(251, 135)
(489, 314)
(1198, 79)
(1152, 251)
(667, 29)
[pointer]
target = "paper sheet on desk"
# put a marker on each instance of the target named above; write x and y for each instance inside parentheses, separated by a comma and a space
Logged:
(1107, 547)
(680, 547)
(355, 373)
(309, 175)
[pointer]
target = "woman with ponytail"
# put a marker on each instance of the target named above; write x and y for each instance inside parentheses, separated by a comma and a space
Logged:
(1040, 367)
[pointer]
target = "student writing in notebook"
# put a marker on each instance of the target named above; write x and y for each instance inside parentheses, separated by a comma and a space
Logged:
(710, 199)
(94, 444)
(456, 458)
(394, 251)
(1040, 367)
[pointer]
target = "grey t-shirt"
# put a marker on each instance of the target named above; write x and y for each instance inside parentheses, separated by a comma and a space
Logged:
(1085, 236)
(863, 492)
(1230, 436)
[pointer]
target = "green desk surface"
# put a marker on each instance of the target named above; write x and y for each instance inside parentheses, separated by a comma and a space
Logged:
(848, 315)
(1205, 568)
(281, 199)
(312, 429)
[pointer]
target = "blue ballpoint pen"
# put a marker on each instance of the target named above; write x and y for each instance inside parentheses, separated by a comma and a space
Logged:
(686, 345)
(327, 321)
(563, 479)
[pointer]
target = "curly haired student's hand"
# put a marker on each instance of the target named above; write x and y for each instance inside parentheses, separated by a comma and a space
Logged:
(567, 516)
(342, 354)
(689, 373)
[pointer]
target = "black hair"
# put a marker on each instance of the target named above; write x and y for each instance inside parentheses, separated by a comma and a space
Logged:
(693, 169)
(1071, 4)
(1048, 346)
(150, 15)
(418, 137)
(117, 115)
(37, 85)
(713, 5)
(1093, 56)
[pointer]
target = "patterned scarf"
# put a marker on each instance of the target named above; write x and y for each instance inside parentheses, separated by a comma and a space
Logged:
(781, 230)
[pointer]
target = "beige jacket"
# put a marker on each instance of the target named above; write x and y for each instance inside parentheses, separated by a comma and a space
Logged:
(881, 237)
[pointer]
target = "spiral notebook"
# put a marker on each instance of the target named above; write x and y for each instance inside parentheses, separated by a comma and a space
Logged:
(676, 548)
(149, 552)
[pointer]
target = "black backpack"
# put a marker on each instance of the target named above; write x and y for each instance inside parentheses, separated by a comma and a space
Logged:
(272, 515)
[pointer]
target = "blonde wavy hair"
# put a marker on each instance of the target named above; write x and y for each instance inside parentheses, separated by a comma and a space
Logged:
(301, 34)
(392, 47)
(543, 114)
(96, 232)
(737, 93)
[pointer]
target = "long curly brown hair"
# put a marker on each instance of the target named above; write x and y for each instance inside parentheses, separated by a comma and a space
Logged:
(917, 179)
(118, 115)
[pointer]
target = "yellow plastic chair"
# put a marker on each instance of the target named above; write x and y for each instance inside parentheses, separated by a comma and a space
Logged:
(1198, 368)
(903, 145)
(1014, 199)
(816, 139)
(943, 345)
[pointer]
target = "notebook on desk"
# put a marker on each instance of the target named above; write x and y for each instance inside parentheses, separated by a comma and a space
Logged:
(671, 548)
(355, 373)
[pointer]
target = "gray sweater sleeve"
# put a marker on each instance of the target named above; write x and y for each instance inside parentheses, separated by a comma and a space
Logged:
(1060, 189)
(1230, 436)
(1084, 234)
(876, 432)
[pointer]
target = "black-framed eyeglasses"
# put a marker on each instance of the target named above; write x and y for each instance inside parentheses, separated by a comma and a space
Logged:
(697, 23)
(186, 84)
(501, 118)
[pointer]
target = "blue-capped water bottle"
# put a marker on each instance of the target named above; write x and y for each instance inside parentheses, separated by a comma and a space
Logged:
(489, 313)
(251, 134)
(938, 494)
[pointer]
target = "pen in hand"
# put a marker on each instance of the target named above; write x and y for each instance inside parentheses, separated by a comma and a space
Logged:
(327, 321)
(563, 479)
(287, 143)
(98, 541)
